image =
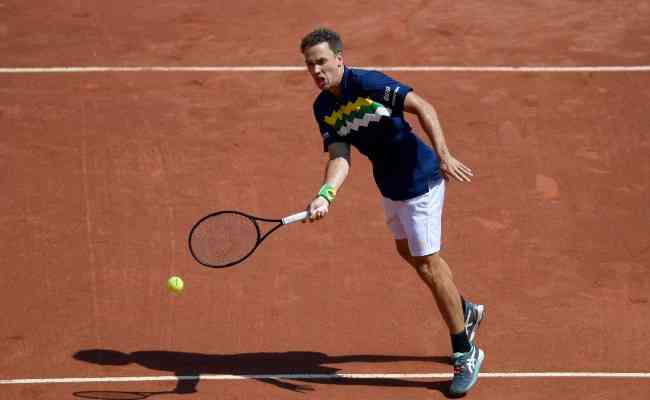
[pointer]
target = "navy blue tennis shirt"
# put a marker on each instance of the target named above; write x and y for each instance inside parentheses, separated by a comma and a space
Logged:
(370, 116)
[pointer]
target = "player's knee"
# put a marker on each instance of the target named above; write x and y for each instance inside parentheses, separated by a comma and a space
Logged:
(406, 256)
(430, 268)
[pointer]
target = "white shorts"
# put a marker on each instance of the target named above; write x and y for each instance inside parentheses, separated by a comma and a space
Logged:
(418, 219)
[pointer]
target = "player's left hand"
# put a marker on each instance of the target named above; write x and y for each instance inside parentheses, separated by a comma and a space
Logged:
(451, 167)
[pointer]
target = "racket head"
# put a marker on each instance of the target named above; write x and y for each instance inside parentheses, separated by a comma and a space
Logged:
(224, 238)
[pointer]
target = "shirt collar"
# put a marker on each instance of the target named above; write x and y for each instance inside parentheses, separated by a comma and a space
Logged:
(345, 78)
(344, 85)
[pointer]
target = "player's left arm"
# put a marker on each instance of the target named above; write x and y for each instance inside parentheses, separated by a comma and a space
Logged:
(428, 118)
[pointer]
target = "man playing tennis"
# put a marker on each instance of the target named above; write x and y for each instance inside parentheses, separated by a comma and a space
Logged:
(366, 109)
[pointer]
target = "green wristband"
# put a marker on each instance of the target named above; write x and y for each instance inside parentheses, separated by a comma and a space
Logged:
(327, 192)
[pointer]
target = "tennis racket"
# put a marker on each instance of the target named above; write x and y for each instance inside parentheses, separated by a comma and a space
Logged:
(226, 238)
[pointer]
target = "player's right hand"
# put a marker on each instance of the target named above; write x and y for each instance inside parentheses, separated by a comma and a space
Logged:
(318, 208)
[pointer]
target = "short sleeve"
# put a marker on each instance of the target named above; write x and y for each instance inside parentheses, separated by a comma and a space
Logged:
(384, 89)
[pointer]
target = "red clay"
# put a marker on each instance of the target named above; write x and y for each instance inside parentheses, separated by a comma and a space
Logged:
(102, 176)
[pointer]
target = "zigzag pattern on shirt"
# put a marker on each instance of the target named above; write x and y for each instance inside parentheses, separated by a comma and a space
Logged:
(356, 114)
(364, 121)
(347, 109)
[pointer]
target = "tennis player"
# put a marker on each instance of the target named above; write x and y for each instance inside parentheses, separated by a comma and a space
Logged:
(365, 109)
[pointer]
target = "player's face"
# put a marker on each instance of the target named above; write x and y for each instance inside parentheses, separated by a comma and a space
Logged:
(324, 66)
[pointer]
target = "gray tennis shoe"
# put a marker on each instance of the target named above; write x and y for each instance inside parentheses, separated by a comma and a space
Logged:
(466, 370)
(474, 314)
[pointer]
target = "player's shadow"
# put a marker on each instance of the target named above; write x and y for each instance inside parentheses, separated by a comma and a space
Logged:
(301, 365)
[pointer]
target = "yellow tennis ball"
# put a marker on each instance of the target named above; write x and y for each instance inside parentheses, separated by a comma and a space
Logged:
(175, 284)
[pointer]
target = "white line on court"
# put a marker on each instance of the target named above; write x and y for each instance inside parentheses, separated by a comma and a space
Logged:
(278, 68)
(498, 375)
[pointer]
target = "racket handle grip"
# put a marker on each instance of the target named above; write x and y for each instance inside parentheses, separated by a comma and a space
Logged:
(295, 218)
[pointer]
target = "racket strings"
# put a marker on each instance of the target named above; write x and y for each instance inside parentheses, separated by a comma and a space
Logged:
(223, 239)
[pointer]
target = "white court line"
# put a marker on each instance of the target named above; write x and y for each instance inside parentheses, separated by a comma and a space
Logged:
(499, 375)
(272, 68)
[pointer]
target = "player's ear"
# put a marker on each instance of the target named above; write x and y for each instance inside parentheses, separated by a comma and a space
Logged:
(339, 59)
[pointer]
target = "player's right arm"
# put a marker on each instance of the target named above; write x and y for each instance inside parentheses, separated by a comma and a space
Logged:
(336, 171)
(428, 118)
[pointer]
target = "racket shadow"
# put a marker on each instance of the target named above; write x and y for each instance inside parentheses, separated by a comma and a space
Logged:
(189, 366)
(117, 395)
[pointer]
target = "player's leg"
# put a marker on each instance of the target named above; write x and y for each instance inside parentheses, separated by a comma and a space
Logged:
(473, 314)
(402, 246)
(435, 273)
(421, 221)
(426, 213)
(467, 357)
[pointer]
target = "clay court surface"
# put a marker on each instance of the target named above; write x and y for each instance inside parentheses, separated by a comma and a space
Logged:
(103, 173)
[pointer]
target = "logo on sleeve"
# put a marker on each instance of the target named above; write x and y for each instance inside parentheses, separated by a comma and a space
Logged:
(387, 94)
